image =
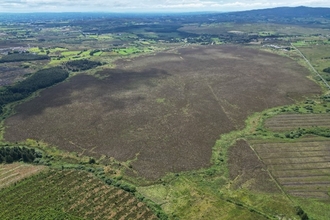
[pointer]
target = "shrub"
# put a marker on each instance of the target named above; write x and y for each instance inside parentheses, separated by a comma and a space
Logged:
(326, 70)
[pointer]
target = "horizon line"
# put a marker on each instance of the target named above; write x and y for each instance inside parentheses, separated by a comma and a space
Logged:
(157, 11)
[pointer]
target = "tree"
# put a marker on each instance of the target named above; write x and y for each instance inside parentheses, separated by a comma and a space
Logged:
(9, 159)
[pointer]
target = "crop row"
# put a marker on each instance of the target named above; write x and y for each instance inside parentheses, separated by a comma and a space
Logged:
(74, 193)
(302, 168)
(289, 121)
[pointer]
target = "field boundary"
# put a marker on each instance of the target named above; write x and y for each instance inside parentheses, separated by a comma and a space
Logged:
(269, 173)
(310, 65)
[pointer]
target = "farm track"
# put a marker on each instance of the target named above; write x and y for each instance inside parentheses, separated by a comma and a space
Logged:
(75, 193)
(311, 66)
(302, 168)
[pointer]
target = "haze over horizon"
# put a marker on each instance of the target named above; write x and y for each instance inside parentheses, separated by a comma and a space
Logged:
(149, 5)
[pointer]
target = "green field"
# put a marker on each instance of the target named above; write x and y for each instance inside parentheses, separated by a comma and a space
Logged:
(69, 194)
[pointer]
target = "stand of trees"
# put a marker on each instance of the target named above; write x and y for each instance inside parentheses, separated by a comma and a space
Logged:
(41, 79)
(79, 65)
(13, 154)
(17, 57)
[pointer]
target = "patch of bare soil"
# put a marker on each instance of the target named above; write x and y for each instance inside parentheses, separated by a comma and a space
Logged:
(12, 173)
(247, 171)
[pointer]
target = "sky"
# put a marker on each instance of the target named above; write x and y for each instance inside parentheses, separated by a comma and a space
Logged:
(149, 5)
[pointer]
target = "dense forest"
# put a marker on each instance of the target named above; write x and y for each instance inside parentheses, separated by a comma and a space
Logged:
(41, 79)
(79, 65)
(17, 57)
(17, 153)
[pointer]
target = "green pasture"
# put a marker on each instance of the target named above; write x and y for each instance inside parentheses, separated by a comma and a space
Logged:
(318, 55)
(131, 50)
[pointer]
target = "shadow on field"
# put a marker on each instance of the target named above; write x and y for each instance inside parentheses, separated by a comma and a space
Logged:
(87, 89)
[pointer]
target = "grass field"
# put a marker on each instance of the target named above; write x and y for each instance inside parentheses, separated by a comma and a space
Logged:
(204, 92)
(72, 194)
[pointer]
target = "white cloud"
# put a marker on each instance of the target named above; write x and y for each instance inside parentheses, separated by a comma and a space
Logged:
(149, 5)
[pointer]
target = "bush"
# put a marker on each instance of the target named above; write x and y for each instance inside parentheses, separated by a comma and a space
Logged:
(326, 70)
(301, 213)
(91, 160)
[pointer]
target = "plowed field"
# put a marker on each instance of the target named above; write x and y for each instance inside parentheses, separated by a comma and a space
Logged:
(285, 122)
(302, 168)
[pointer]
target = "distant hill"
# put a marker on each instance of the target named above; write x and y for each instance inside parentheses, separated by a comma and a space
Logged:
(301, 15)
(289, 12)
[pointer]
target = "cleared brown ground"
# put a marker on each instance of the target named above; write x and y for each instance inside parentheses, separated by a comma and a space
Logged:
(13, 71)
(247, 171)
(285, 122)
(9, 74)
(302, 168)
(12, 173)
(167, 109)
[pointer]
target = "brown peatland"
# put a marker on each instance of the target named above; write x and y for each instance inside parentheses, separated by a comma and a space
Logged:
(167, 109)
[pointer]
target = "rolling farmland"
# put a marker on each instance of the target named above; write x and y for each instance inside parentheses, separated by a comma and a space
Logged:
(183, 116)
(71, 194)
(302, 168)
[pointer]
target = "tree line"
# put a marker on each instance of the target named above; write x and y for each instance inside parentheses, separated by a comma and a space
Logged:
(17, 57)
(18, 153)
(39, 80)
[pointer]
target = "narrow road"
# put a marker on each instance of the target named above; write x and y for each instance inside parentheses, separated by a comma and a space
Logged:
(307, 61)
